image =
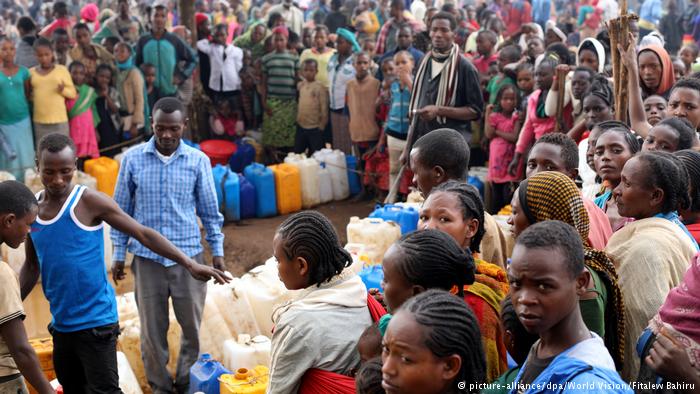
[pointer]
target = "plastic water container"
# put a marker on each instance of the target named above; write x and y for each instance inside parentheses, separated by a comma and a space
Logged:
(477, 183)
(218, 151)
(246, 381)
(335, 163)
(127, 379)
(247, 198)
(407, 218)
(213, 330)
(204, 375)
(288, 187)
(265, 292)
(232, 301)
(244, 155)
(265, 195)
(376, 234)
(310, 183)
(105, 170)
(228, 192)
(372, 277)
(325, 183)
(353, 177)
(247, 352)
(44, 352)
(259, 151)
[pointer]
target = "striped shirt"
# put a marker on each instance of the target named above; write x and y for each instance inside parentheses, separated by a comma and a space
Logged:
(168, 197)
(281, 70)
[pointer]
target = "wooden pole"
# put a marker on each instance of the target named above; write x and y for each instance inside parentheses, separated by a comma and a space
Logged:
(561, 92)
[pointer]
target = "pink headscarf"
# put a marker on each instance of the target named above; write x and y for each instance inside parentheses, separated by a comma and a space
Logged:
(89, 13)
(682, 306)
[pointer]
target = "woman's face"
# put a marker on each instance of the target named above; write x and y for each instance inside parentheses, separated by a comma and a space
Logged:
(544, 76)
(122, 53)
(661, 137)
(588, 58)
(408, 365)
(650, 70)
(7, 51)
(655, 109)
(596, 110)
(443, 211)
(633, 197)
(517, 220)
(77, 74)
(611, 154)
(395, 286)
(103, 78)
(685, 103)
(44, 55)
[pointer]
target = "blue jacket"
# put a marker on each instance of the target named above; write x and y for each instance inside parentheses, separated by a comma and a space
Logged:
(585, 367)
(165, 54)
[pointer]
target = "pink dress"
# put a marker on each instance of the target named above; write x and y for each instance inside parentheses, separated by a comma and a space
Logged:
(82, 131)
(501, 152)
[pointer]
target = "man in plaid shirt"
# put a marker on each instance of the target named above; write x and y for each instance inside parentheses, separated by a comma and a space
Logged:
(165, 184)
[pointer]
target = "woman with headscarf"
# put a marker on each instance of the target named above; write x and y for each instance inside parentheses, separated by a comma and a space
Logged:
(554, 196)
(529, 31)
(254, 40)
(651, 253)
(655, 71)
(553, 34)
(89, 15)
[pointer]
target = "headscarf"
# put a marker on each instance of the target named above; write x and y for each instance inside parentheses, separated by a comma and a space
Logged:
(89, 13)
(282, 30)
(199, 18)
(667, 77)
(350, 37)
(245, 41)
(538, 32)
(552, 195)
(598, 49)
(553, 26)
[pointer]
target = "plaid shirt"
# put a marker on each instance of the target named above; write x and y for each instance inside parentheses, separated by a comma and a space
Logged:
(168, 197)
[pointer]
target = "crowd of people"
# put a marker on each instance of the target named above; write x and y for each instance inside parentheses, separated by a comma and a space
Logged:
(597, 295)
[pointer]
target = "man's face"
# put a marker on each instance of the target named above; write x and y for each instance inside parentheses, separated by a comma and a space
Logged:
(123, 8)
(441, 34)
(56, 170)
(404, 38)
(168, 129)
(61, 43)
(159, 18)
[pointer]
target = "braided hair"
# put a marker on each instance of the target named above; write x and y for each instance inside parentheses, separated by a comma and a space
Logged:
(311, 235)
(472, 206)
(685, 131)
(691, 162)
(433, 259)
(668, 173)
(450, 328)
(600, 87)
(369, 378)
(632, 140)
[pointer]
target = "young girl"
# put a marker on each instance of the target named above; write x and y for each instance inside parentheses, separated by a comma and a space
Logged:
(131, 88)
(598, 102)
(526, 84)
(432, 347)
(51, 85)
(83, 116)
(502, 128)
(331, 303)
(670, 135)
(279, 95)
(537, 123)
(107, 105)
(456, 209)
(15, 118)
(612, 150)
(396, 127)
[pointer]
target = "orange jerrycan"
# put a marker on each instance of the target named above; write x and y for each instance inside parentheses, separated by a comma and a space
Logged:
(105, 170)
(288, 188)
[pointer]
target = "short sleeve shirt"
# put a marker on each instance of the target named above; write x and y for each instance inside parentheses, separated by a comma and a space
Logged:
(281, 70)
(10, 309)
(13, 101)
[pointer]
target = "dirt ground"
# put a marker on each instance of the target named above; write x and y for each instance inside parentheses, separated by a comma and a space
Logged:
(249, 243)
